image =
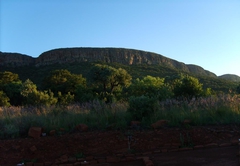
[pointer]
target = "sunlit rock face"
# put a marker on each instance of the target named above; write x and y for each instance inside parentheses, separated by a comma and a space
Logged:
(108, 55)
(15, 59)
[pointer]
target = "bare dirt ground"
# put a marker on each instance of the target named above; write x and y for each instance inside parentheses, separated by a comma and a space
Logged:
(206, 145)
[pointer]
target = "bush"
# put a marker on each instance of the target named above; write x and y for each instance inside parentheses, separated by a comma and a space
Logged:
(142, 107)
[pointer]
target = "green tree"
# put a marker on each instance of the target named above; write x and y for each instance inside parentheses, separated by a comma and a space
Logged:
(188, 87)
(7, 77)
(10, 84)
(238, 89)
(151, 87)
(65, 99)
(141, 107)
(4, 100)
(63, 81)
(84, 94)
(109, 81)
(34, 97)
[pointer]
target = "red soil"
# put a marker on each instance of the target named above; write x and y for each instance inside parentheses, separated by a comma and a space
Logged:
(208, 145)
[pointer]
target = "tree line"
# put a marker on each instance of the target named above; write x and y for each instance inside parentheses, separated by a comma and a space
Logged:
(105, 83)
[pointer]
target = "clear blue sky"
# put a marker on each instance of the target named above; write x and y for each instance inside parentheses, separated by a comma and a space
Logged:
(201, 32)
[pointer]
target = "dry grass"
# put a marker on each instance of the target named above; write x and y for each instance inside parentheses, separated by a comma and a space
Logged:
(15, 121)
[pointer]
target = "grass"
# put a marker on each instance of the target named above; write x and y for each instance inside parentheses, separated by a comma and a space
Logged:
(214, 110)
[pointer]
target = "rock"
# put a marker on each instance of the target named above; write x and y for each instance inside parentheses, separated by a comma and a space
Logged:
(159, 124)
(81, 127)
(35, 132)
(52, 132)
(107, 55)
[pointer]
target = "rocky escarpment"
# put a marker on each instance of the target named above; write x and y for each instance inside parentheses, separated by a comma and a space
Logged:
(108, 55)
(15, 59)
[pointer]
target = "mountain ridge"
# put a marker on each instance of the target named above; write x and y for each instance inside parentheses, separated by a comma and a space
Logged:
(232, 77)
(94, 54)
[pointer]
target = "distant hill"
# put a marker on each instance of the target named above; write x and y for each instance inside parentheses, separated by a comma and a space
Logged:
(230, 77)
(79, 60)
(107, 55)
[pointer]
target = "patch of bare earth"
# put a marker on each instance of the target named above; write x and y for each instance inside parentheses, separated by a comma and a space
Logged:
(207, 145)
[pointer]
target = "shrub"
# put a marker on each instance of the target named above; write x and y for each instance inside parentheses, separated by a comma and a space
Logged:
(141, 107)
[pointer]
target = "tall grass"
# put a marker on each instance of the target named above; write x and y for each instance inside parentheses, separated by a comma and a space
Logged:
(15, 121)
(222, 109)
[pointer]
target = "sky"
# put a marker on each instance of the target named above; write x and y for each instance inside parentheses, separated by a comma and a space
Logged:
(201, 32)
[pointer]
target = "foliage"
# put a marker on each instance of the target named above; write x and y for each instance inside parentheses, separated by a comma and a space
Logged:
(238, 89)
(98, 115)
(153, 87)
(188, 87)
(36, 74)
(4, 100)
(65, 99)
(63, 81)
(10, 84)
(108, 80)
(141, 107)
(83, 94)
(34, 97)
(8, 77)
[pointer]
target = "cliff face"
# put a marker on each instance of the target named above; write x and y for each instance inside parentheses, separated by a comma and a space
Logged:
(15, 59)
(109, 55)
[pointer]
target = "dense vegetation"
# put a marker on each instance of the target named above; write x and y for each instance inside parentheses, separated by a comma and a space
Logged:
(104, 96)
(37, 74)
(103, 82)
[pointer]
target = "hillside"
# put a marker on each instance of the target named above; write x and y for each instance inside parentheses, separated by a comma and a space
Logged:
(107, 55)
(230, 77)
(79, 60)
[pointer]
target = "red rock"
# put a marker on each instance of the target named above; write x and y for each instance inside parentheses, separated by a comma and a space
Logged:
(52, 132)
(35, 132)
(159, 124)
(81, 127)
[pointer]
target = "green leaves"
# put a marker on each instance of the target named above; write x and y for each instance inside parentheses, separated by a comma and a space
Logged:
(188, 87)
(4, 100)
(63, 81)
(150, 86)
(108, 80)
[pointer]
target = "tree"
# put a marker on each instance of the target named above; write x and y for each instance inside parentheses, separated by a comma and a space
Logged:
(153, 87)
(65, 99)
(10, 84)
(63, 81)
(4, 100)
(7, 77)
(142, 107)
(34, 97)
(238, 89)
(108, 80)
(188, 87)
